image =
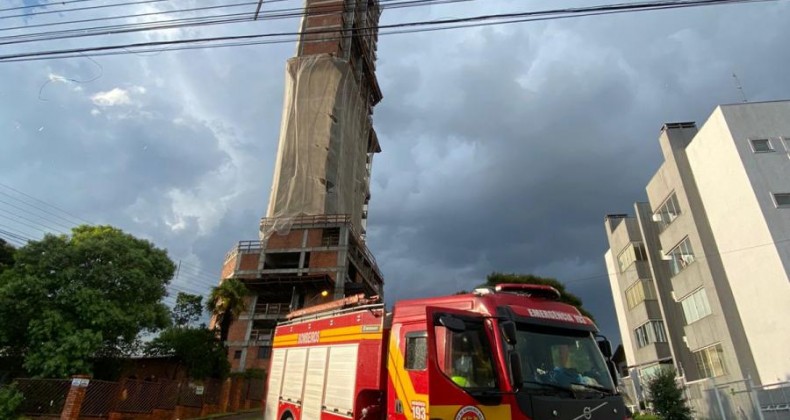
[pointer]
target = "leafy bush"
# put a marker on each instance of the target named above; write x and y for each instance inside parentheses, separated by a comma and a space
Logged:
(667, 397)
(10, 400)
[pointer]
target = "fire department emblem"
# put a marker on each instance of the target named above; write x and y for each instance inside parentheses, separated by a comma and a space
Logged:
(469, 413)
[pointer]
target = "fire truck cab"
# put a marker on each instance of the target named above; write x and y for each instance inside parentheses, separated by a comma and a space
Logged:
(506, 352)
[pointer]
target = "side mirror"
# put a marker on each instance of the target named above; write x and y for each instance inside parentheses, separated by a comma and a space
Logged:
(509, 331)
(515, 371)
(453, 324)
(605, 346)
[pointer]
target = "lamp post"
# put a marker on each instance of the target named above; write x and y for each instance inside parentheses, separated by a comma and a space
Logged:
(323, 294)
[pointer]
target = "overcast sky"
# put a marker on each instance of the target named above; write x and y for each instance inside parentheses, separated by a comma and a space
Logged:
(503, 146)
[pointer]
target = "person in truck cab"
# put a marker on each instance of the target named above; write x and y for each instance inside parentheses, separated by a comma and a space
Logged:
(569, 366)
(471, 367)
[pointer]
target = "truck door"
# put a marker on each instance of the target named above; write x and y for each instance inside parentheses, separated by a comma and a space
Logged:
(463, 375)
(407, 372)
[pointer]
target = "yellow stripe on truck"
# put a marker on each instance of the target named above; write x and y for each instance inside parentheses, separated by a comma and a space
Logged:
(448, 412)
(334, 335)
(401, 381)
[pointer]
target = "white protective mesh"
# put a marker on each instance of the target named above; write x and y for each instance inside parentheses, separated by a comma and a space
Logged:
(322, 152)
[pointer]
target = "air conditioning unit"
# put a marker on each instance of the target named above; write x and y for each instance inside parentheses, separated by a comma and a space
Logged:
(656, 217)
(673, 296)
(686, 341)
(664, 256)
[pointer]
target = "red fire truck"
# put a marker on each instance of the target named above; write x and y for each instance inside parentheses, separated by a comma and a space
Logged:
(507, 352)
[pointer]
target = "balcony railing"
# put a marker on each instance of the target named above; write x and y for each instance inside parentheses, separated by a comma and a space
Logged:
(244, 247)
(271, 309)
(257, 336)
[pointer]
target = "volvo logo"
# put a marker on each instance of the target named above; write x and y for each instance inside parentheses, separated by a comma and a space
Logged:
(587, 412)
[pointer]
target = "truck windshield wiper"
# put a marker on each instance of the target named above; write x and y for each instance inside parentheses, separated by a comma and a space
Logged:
(549, 385)
(598, 388)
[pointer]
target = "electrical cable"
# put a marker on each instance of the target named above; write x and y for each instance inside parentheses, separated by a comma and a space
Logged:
(418, 26)
(79, 9)
(133, 16)
(31, 6)
(183, 22)
(196, 274)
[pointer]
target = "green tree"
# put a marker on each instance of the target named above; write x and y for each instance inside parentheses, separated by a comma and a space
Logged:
(667, 397)
(565, 296)
(198, 349)
(6, 255)
(10, 400)
(187, 310)
(71, 299)
(226, 302)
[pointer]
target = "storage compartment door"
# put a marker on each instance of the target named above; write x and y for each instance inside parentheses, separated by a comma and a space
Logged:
(341, 380)
(294, 375)
(314, 383)
(275, 382)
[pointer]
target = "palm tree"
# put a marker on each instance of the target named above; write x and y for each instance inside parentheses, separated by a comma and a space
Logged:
(226, 302)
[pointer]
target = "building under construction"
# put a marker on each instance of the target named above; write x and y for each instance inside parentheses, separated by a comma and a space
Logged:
(311, 246)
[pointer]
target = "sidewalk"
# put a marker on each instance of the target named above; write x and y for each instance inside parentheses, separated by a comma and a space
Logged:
(252, 415)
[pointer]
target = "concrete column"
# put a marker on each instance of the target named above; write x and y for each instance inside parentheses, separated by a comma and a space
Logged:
(73, 404)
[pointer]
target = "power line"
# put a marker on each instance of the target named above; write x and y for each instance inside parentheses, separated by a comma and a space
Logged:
(38, 208)
(418, 26)
(30, 6)
(133, 16)
(79, 9)
(184, 22)
(44, 203)
(196, 275)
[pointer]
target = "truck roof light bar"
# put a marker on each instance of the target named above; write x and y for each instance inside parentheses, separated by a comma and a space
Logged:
(531, 290)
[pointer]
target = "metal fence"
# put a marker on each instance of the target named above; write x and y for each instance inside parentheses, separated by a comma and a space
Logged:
(43, 396)
(46, 397)
(740, 399)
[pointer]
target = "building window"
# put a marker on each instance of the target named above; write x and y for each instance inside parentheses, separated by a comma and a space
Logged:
(640, 291)
(416, 351)
(680, 257)
(710, 361)
(330, 237)
(761, 145)
(696, 306)
(634, 251)
(650, 332)
(264, 352)
(237, 355)
(667, 212)
(786, 141)
(782, 199)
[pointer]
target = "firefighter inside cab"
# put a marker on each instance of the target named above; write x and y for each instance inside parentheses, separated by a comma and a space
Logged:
(470, 361)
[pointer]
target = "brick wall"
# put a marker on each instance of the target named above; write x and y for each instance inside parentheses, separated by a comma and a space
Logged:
(324, 16)
(320, 259)
(238, 330)
(229, 267)
(249, 262)
(292, 240)
(314, 237)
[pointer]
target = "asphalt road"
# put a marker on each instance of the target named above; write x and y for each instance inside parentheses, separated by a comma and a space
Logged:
(255, 415)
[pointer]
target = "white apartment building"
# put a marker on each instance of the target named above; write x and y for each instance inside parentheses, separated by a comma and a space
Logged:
(700, 274)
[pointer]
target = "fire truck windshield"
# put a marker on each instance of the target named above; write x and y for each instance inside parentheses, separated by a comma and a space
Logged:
(561, 358)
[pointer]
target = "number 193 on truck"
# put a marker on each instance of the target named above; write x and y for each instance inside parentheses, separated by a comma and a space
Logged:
(512, 351)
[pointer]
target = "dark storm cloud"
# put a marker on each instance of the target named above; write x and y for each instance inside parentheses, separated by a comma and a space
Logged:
(503, 147)
(511, 146)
